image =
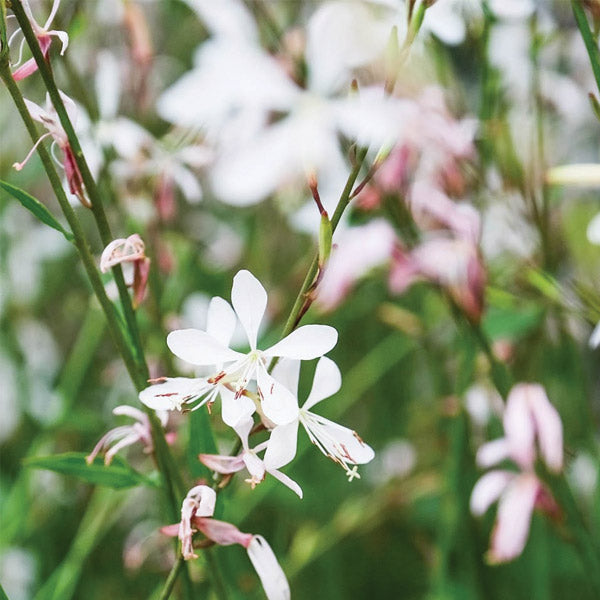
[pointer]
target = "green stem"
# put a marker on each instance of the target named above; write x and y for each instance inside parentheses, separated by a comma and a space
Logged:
(171, 579)
(588, 38)
(86, 175)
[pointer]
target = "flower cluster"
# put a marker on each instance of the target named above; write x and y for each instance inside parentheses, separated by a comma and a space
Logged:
(245, 387)
(528, 418)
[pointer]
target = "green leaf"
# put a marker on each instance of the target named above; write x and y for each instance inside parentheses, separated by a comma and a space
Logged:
(117, 475)
(3, 595)
(513, 324)
(36, 208)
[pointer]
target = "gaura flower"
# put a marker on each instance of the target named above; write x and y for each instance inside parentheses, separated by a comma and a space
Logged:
(44, 37)
(196, 515)
(173, 393)
(528, 417)
(49, 119)
(340, 444)
(126, 435)
(129, 250)
(249, 300)
(250, 460)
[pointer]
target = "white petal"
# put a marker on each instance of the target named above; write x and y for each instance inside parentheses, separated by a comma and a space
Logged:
(492, 453)
(249, 300)
(220, 320)
(514, 518)
(234, 410)
(287, 481)
(268, 569)
(326, 383)
(227, 18)
(282, 445)
(305, 343)
(595, 337)
(199, 348)
(488, 489)
(548, 428)
(187, 182)
(255, 465)
(107, 84)
(278, 403)
(222, 464)
(593, 229)
(174, 392)
(36, 111)
(287, 372)
(130, 411)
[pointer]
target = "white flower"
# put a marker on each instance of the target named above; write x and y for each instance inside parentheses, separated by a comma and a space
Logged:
(249, 300)
(339, 443)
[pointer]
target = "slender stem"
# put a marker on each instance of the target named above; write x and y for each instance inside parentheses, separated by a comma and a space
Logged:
(86, 175)
(171, 579)
(588, 38)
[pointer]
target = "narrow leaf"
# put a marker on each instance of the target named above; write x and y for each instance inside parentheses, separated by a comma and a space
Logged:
(117, 475)
(36, 208)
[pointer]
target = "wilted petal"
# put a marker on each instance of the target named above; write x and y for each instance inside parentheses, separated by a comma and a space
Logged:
(326, 383)
(305, 343)
(267, 568)
(222, 464)
(278, 403)
(249, 300)
(488, 489)
(220, 320)
(222, 533)
(282, 446)
(205, 499)
(514, 518)
(199, 348)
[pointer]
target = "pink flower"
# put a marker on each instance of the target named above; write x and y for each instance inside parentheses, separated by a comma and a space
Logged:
(196, 515)
(528, 416)
(129, 250)
(126, 435)
(49, 119)
(454, 264)
(44, 37)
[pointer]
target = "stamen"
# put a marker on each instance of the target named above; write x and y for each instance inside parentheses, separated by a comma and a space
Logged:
(19, 166)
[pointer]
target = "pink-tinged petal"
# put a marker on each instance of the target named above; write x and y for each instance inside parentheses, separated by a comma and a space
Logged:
(222, 464)
(278, 403)
(519, 426)
(492, 453)
(268, 569)
(205, 499)
(220, 320)
(326, 383)
(199, 348)
(548, 427)
(249, 300)
(234, 410)
(488, 489)
(128, 440)
(174, 392)
(37, 112)
(122, 250)
(287, 372)
(25, 70)
(306, 343)
(63, 36)
(170, 530)
(287, 481)
(222, 533)
(141, 273)
(514, 518)
(255, 466)
(282, 445)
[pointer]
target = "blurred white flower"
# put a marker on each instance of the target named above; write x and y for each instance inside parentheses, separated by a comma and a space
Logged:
(17, 572)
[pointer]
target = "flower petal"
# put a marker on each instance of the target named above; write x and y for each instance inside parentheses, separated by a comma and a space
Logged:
(222, 464)
(249, 300)
(282, 446)
(220, 320)
(519, 426)
(287, 372)
(278, 403)
(268, 569)
(492, 453)
(514, 518)
(488, 489)
(222, 533)
(305, 343)
(548, 427)
(174, 392)
(327, 382)
(199, 348)
(234, 410)
(287, 481)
